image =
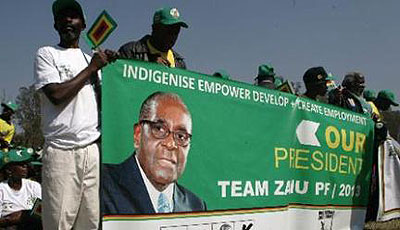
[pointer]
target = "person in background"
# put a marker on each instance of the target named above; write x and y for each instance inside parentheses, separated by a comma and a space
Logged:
(265, 77)
(383, 102)
(349, 96)
(222, 74)
(157, 47)
(7, 128)
(369, 95)
(315, 79)
(18, 194)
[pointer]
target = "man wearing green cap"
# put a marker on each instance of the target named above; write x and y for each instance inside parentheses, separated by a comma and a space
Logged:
(67, 80)
(369, 95)
(7, 128)
(157, 47)
(383, 101)
(265, 77)
(18, 194)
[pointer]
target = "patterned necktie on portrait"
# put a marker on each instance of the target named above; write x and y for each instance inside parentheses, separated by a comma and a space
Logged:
(163, 204)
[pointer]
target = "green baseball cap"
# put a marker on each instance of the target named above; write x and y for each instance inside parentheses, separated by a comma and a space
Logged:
(168, 16)
(10, 105)
(369, 94)
(265, 71)
(60, 5)
(16, 155)
(389, 95)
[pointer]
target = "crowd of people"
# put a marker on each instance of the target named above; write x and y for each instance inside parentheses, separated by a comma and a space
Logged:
(68, 82)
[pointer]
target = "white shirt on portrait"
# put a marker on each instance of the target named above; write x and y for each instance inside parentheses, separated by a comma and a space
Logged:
(154, 193)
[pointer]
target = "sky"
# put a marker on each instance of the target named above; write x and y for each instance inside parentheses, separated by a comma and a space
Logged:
(237, 36)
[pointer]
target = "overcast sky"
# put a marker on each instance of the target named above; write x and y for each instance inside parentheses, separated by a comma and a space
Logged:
(292, 35)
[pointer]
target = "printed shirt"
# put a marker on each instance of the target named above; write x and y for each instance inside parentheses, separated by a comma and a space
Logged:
(75, 123)
(12, 200)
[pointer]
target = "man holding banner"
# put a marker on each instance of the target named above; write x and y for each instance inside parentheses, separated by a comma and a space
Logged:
(157, 47)
(146, 182)
(66, 79)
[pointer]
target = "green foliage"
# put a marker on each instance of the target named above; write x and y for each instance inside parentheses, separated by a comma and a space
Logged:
(28, 118)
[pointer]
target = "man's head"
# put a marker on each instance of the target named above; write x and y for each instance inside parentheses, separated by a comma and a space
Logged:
(354, 82)
(385, 99)
(69, 20)
(369, 95)
(222, 74)
(162, 138)
(15, 163)
(265, 76)
(9, 109)
(166, 26)
(315, 80)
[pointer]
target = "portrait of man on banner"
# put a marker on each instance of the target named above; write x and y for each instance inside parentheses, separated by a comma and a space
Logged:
(146, 182)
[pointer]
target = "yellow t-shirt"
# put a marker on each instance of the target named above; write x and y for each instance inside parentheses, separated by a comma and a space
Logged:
(169, 55)
(375, 111)
(6, 130)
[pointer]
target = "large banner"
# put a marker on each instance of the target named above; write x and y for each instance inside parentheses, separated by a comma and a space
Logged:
(257, 158)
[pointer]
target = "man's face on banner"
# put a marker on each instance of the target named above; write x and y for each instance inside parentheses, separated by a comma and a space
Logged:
(162, 142)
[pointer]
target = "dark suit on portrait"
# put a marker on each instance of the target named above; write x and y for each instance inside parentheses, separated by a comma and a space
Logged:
(124, 192)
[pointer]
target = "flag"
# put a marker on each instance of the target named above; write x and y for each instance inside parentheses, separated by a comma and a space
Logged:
(286, 87)
(101, 29)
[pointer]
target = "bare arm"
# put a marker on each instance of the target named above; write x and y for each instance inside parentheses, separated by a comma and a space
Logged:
(11, 219)
(59, 93)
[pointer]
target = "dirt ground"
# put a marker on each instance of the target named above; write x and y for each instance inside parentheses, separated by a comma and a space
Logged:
(388, 225)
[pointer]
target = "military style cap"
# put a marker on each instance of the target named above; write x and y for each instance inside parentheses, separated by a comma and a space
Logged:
(353, 78)
(369, 94)
(168, 16)
(389, 95)
(60, 5)
(10, 105)
(315, 75)
(265, 71)
(15, 155)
